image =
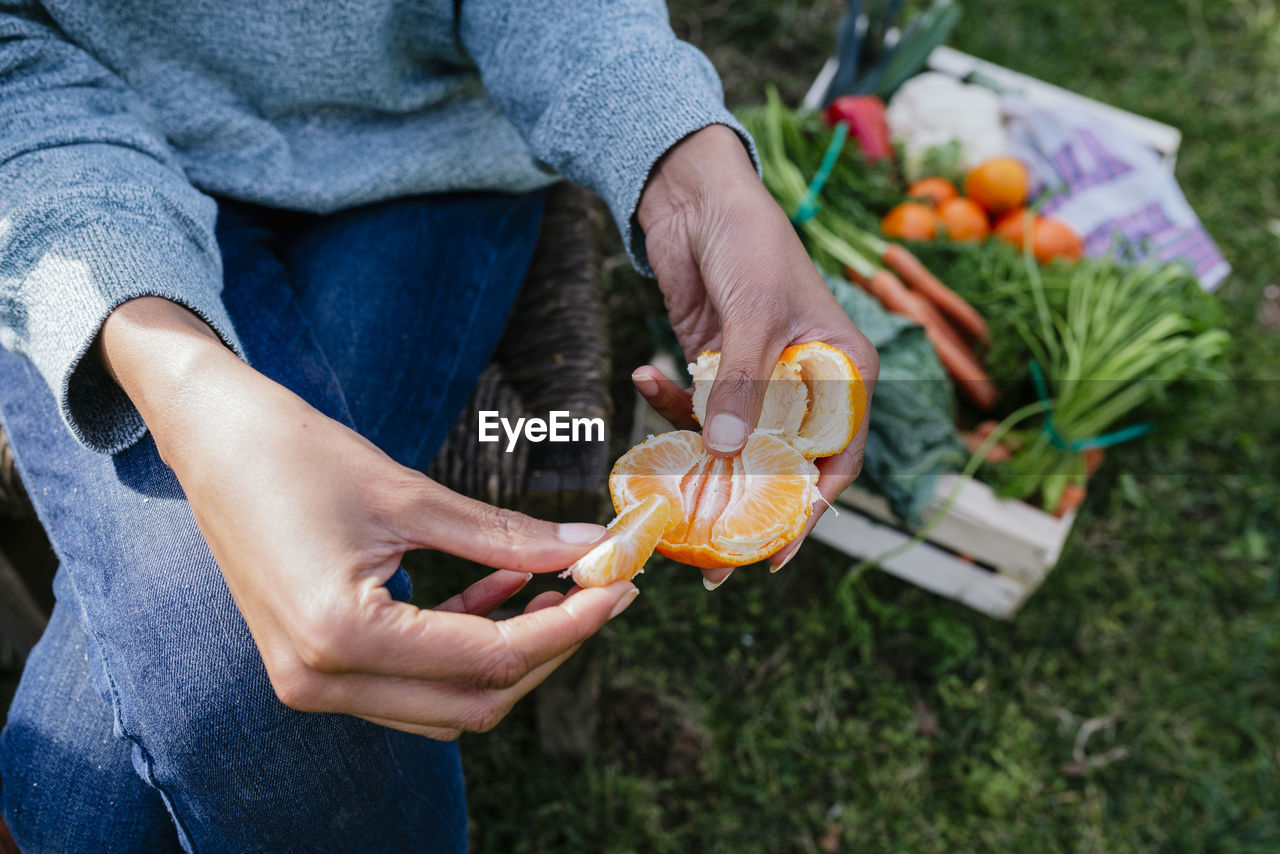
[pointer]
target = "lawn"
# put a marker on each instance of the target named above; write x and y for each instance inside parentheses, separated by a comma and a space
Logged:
(1134, 705)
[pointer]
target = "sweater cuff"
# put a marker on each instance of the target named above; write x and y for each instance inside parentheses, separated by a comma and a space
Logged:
(113, 266)
(619, 120)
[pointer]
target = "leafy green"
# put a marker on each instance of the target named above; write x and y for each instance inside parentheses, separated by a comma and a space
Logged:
(911, 438)
(870, 62)
(1118, 343)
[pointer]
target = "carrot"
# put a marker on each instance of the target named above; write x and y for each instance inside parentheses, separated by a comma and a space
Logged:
(973, 440)
(1092, 459)
(917, 276)
(1072, 498)
(958, 359)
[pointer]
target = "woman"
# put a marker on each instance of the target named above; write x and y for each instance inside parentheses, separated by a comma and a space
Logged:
(252, 256)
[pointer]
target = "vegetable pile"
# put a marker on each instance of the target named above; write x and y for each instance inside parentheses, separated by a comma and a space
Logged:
(1083, 352)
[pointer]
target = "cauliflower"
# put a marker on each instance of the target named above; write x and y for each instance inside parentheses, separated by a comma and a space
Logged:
(932, 110)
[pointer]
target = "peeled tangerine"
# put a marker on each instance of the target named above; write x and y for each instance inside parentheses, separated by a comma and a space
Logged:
(713, 512)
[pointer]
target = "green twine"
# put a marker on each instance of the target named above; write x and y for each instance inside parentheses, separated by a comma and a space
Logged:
(1056, 439)
(807, 209)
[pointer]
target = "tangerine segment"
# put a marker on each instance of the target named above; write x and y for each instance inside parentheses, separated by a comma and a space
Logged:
(785, 400)
(658, 466)
(728, 512)
(632, 538)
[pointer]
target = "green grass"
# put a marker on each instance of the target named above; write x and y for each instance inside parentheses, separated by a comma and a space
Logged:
(766, 717)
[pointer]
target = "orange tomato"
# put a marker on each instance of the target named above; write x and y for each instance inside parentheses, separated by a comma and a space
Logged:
(999, 184)
(910, 221)
(933, 191)
(1051, 238)
(964, 219)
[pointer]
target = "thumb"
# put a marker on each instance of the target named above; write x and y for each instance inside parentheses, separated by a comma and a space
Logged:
(438, 518)
(733, 406)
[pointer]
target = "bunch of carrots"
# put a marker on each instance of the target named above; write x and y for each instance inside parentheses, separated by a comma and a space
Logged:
(905, 286)
(887, 270)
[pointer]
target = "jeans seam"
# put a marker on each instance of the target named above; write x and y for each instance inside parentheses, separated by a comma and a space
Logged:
(118, 714)
(116, 707)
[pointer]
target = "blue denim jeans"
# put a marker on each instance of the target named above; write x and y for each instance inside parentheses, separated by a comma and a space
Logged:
(144, 720)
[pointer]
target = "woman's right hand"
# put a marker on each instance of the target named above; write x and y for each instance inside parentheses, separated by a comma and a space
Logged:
(308, 520)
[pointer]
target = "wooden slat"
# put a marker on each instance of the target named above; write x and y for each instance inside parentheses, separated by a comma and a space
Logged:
(21, 620)
(923, 565)
(1020, 540)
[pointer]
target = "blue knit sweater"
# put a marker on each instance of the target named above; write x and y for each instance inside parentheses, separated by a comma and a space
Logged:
(118, 118)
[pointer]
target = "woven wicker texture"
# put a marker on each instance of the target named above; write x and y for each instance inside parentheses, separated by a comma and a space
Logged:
(554, 355)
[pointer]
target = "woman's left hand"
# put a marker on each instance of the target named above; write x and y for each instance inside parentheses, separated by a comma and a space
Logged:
(735, 278)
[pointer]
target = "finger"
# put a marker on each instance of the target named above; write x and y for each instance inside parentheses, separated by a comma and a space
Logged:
(834, 476)
(487, 593)
(390, 638)
(733, 406)
(437, 518)
(836, 473)
(435, 709)
(546, 599)
(713, 578)
(667, 399)
(432, 732)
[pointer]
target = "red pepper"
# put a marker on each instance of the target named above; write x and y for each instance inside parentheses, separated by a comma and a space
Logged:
(864, 114)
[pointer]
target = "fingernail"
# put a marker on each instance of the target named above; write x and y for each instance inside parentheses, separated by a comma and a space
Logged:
(725, 433)
(578, 533)
(786, 560)
(646, 384)
(712, 585)
(625, 602)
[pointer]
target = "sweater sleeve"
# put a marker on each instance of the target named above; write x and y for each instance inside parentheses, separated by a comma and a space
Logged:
(600, 89)
(94, 211)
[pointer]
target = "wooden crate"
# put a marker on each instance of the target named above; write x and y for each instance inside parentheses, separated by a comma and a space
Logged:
(989, 553)
(986, 552)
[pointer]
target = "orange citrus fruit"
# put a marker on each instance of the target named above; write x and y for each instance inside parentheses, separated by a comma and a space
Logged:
(999, 184)
(632, 538)
(671, 494)
(933, 191)
(1052, 238)
(963, 219)
(1012, 227)
(729, 512)
(910, 221)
